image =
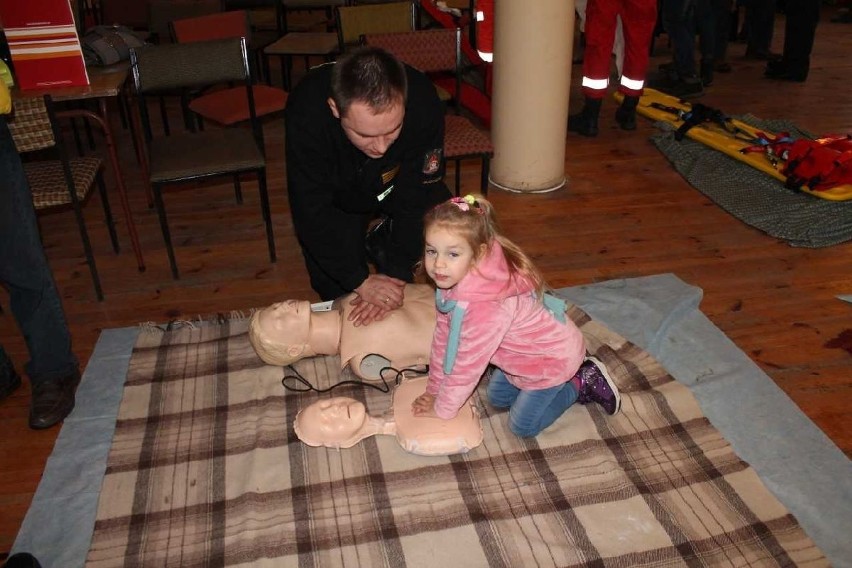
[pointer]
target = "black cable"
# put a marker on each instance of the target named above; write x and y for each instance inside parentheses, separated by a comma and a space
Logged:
(303, 385)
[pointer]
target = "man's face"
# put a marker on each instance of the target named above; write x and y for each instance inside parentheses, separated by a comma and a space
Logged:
(371, 133)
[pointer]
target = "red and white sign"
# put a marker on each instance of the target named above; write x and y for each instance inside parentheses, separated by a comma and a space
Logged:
(44, 43)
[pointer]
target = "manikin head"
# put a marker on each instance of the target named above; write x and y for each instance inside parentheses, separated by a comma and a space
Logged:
(338, 422)
(368, 93)
(342, 422)
(285, 332)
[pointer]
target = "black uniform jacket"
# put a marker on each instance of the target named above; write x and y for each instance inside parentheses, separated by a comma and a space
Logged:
(334, 189)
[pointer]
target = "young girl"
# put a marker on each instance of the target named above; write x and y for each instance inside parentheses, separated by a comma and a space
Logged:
(492, 310)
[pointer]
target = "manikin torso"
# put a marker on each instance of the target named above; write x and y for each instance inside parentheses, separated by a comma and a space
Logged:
(402, 339)
(288, 331)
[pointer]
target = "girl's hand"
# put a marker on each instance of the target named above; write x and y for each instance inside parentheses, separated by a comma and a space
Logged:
(424, 405)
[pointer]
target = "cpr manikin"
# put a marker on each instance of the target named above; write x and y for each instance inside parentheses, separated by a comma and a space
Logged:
(342, 422)
(288, 331)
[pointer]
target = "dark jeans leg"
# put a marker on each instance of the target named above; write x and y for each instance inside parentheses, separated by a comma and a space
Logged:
(705, 24)
(677, 18)
(761, 18)
(799, 32)
(24, 271)
(722, 19)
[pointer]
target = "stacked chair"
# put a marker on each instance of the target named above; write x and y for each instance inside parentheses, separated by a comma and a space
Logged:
(226, 106)
(439, 51)
(191, 156)
(57, 181)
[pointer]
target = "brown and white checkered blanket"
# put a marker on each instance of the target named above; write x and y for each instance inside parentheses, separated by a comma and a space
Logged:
(205, 470)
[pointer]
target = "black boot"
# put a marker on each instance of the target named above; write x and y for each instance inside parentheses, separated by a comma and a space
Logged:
(585, 122)
(625, 115)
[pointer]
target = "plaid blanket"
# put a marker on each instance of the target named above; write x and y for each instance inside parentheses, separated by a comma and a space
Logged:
(205, 470)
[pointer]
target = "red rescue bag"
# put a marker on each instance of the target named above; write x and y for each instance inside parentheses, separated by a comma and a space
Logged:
(819, 164)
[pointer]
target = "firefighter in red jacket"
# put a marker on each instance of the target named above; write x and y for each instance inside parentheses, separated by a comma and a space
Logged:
(638, 19)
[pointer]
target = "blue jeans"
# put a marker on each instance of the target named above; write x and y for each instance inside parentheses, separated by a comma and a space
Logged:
(681, 19)
(24, 271)
(530, 411)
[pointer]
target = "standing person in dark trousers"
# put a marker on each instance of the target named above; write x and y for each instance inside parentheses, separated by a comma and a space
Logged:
(682, 19)
(760, 22)
(799, 33)
(723, 10)
(365, 138)
(34, 301)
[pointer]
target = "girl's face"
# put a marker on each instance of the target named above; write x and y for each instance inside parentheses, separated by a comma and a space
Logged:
(447, 257)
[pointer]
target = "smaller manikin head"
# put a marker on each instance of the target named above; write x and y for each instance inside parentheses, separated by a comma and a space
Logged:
(338, 422)
(281, 333)
(342, 422)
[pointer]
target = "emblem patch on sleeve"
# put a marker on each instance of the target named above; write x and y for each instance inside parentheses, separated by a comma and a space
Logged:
(432, 161)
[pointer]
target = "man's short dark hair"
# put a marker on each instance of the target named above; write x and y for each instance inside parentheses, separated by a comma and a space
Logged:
(370, 75)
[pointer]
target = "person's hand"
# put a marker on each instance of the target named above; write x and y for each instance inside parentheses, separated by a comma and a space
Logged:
(424, 405)
(375, 298)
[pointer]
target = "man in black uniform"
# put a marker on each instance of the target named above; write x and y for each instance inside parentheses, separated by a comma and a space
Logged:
(365, 139)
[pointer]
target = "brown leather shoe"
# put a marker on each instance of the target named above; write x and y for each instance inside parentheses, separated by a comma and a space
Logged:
(52, 401)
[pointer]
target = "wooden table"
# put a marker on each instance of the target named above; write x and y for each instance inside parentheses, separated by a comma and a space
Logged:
(104, 83)
(323, 44)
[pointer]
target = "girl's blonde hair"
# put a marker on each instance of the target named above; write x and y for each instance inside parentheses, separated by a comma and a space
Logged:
(472, 217)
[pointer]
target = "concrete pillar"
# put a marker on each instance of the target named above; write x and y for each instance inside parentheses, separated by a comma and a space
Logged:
(533, 41)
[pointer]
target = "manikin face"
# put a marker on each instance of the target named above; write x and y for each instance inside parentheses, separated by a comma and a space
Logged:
(334, 422)
(448, 257)
(371, 133)
(288, 321)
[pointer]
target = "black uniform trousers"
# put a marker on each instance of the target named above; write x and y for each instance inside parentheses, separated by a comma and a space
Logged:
(799, 33)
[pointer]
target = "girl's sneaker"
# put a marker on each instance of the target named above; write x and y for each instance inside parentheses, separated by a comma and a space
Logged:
(596, 385)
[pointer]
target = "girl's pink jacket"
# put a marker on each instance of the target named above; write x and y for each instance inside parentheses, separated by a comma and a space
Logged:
(505, 325)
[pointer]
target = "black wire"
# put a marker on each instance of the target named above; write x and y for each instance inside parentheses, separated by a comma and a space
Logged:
(304, 385)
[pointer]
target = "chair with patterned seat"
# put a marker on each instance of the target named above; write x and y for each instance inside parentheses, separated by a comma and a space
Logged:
(56, 180)
(438, 51)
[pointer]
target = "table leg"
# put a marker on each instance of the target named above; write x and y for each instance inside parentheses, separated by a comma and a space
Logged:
(119, 180)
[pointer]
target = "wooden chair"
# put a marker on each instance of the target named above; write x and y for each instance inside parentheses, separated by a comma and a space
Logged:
(60, 181)
(266, 25)
(226, 105)
(192, 156)
(439, 51)
(304, 41)
(130, 13)
(161, 13)
(326, 6)
(353, 22)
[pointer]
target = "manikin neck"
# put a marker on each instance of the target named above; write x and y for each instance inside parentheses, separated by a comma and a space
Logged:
(325, 332)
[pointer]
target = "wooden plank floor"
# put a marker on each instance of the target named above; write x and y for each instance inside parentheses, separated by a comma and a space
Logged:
(624, 213)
